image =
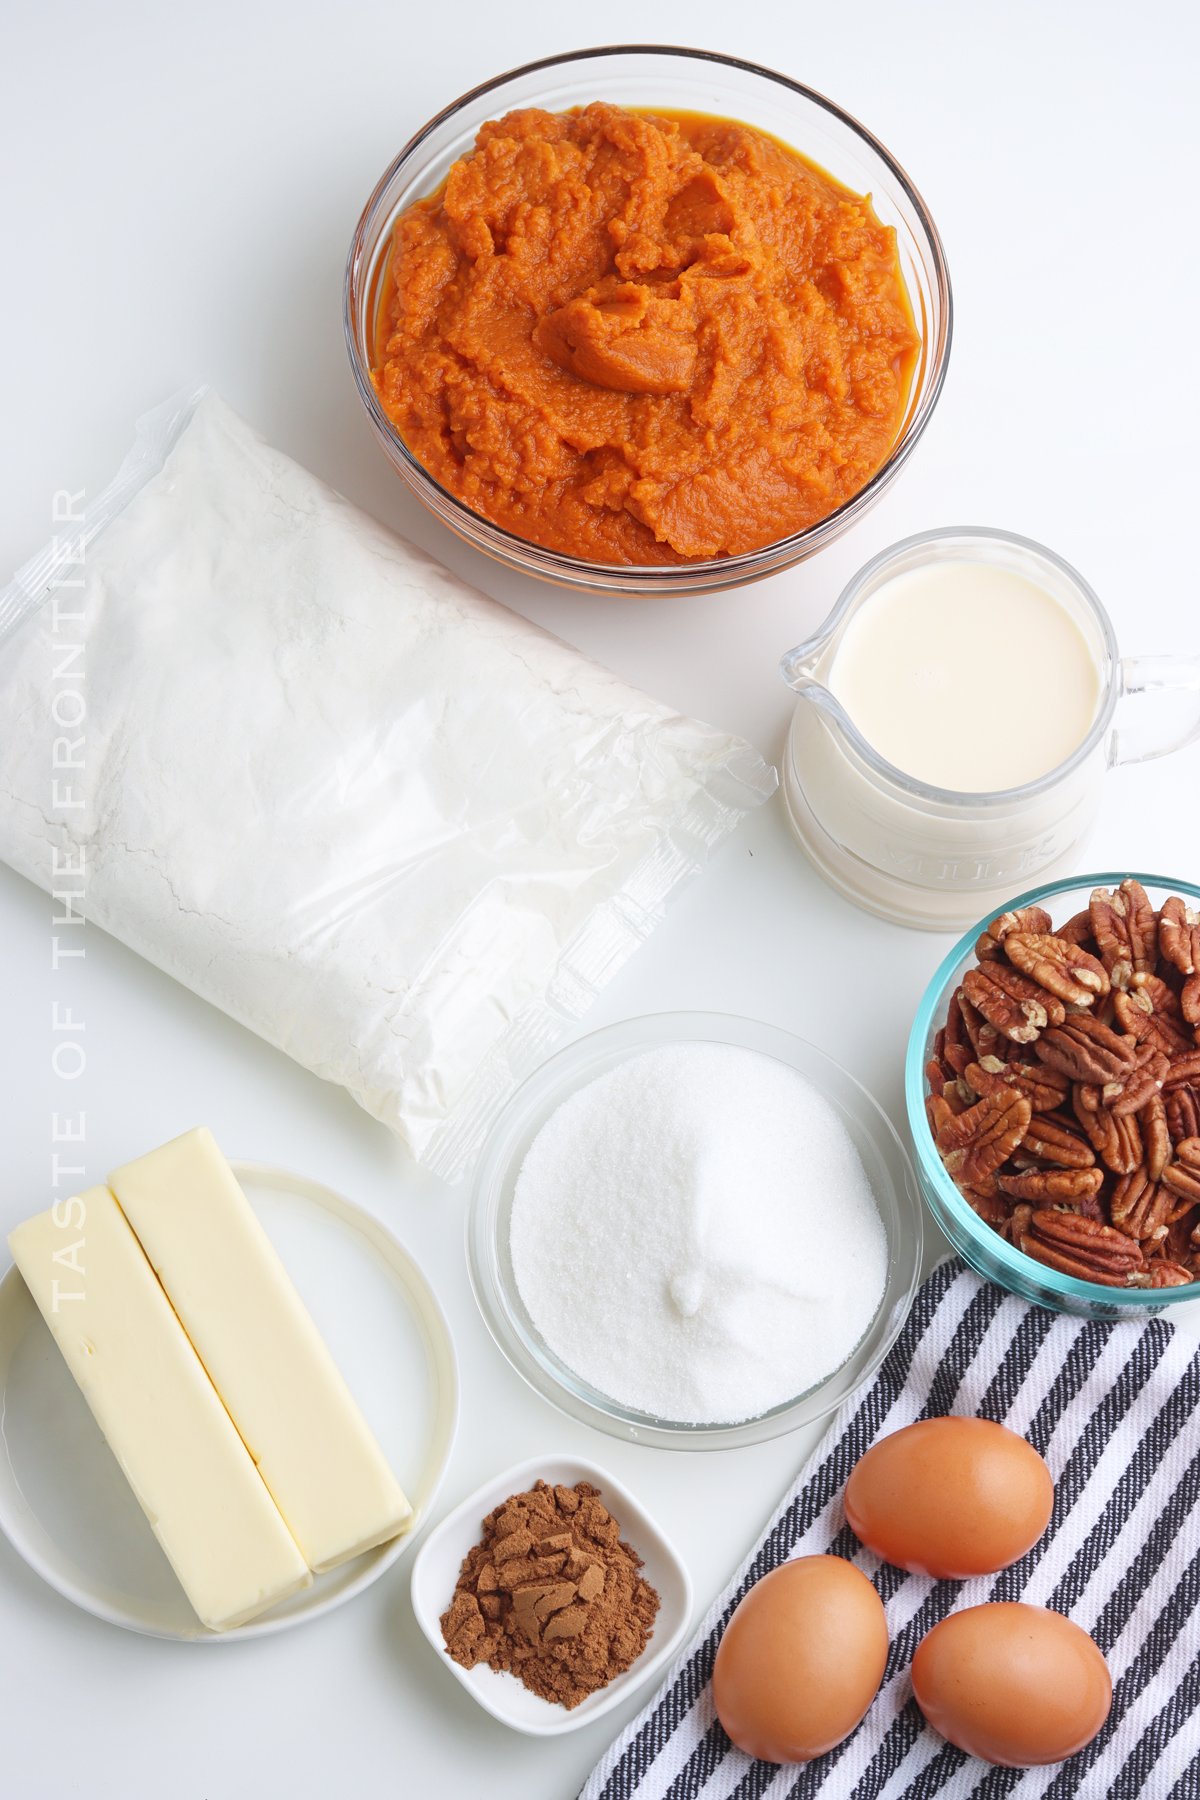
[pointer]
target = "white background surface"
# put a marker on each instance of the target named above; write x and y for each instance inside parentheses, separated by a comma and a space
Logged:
(180, 184)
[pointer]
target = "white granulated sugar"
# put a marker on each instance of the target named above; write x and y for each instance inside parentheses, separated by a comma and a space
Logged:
(694, 1234)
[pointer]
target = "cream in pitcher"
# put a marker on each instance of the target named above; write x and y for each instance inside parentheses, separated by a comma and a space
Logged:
(955, 719)
(967, 676)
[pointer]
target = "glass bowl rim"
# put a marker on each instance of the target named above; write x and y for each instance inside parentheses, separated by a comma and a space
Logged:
(989, 797)
(929, 1164)
(564, 1073)
(671, 575)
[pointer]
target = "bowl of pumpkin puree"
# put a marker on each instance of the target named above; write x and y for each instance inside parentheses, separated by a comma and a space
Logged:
(641, 320)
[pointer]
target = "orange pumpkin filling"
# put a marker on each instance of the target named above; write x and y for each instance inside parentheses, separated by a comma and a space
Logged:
(644, 339)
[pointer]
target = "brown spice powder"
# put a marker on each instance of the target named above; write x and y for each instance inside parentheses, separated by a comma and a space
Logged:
(551, 1594)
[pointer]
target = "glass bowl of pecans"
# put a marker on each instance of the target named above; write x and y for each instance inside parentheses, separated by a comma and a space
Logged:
(1053, 1091)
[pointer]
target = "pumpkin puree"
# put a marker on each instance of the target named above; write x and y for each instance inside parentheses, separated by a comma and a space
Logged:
(639, 339)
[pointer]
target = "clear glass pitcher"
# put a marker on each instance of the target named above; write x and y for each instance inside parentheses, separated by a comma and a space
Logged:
(931, 857)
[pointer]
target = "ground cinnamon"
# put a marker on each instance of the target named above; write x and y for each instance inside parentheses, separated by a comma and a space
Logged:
(551, 1594)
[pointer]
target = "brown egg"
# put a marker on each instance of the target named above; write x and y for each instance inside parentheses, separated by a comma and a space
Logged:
(801, 1660)
(950, 1497)
(1012, 1684)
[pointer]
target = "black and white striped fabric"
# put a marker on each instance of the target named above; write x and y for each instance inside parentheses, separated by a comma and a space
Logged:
(1113, 1407)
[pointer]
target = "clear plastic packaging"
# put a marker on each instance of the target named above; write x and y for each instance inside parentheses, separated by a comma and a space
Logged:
(392, 827)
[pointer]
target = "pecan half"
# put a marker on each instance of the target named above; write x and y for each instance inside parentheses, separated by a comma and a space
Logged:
(1189, 1000)
(1184, 1071)
(975, 1143)
(1144, 1081)
(1091, 1113)
(1139, 1206)
(1062, 969)
(1163, 998)
(1019, 1221)
(1177, 1245)
(1163, 1274)
(1179, 935)
(1182, 1107)
(1141, 922)
(991, 1208)
(1083, 1248)
(1156, 1135)
(1016, 1006)
(1116, 1141)
(1053, 1139)
(968, 1034)
(1125, 927)
(1125, 1149)
(1182, 1208)
(1078, 928)
(1043, 1088)
(1185, 1184)
(1043, 1185)
(1183, 1175)
(1087, 1050)
(939, 1112)
(1135, 1013)
(1024, 918)
(957, 1049)
(1107, 912)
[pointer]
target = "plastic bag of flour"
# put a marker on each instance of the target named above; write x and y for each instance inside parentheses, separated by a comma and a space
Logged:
(395, 829)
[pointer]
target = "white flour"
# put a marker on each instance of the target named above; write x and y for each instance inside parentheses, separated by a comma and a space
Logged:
(694, 1234)
(390, 826)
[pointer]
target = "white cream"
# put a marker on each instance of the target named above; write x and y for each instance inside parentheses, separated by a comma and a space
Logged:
(968, 676)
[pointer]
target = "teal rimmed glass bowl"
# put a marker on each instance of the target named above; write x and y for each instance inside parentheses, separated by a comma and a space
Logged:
(985, 1250)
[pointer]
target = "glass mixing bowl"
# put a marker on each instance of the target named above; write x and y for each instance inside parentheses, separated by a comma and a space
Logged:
(644, 77)
(985, 1250)
(884, 1159)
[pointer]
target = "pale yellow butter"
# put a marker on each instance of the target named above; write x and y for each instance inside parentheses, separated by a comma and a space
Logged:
(315, 1451)
(159, 1411)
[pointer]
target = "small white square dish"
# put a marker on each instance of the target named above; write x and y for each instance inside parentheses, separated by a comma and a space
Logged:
(437, 1564)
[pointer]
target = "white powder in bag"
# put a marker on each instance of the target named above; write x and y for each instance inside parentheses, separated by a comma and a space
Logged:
(694, 1234)
(392, 827)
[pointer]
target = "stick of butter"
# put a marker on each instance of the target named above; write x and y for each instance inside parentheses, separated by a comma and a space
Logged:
(160, 1413)
(267, 1360)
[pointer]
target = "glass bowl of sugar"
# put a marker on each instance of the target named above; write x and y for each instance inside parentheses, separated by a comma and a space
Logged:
(694, 1231)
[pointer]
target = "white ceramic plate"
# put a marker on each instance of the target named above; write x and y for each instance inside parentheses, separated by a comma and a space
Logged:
(66, 1507)
(435, 1572)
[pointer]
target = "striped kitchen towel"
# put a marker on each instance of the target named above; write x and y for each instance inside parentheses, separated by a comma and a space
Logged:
(1112, 1406)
